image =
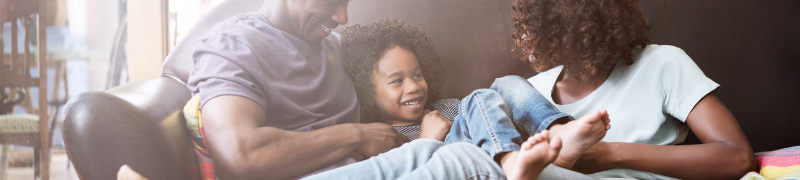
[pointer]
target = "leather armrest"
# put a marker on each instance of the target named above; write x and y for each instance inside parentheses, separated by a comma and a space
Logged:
(132, 124)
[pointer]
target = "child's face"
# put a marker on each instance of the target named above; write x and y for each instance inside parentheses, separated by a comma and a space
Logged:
(400, 89)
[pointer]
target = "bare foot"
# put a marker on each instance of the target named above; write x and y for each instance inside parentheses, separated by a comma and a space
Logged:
(578, 135)
(534, 155)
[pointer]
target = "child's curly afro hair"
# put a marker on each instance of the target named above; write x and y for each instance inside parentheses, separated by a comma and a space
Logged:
(366, 44)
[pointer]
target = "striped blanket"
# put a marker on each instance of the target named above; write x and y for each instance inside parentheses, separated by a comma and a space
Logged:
(194, 122)
(779, 164)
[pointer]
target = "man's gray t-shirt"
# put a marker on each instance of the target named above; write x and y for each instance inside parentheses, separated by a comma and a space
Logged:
(300, 86)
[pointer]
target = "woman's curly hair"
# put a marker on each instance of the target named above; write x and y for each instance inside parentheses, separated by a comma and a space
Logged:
(586, 36)
(366, 44)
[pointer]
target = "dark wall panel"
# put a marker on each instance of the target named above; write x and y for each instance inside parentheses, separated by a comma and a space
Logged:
(751, 48)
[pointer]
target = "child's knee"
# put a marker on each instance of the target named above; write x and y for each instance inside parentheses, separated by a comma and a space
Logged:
(481, 94)
(480, 99)
(509, 80)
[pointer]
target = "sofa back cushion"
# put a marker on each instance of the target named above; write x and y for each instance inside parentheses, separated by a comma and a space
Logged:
(473, 38)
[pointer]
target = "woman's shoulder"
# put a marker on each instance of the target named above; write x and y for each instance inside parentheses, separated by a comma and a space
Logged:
(658, 62)
(661, 54)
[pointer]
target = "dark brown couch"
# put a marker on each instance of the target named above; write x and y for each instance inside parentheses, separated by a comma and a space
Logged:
(129, 124)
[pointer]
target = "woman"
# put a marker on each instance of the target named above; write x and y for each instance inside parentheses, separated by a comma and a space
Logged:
(598, 58)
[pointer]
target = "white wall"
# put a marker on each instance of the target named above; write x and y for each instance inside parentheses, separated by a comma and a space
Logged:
(102, 19)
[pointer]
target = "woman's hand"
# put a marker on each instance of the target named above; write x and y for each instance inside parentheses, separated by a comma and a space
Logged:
(597, 158)
(434, 126)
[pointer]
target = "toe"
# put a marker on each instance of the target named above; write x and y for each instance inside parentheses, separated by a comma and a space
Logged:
(592, 117)
(545, 134)
(537, 137)
(527, 145)
(555, 143)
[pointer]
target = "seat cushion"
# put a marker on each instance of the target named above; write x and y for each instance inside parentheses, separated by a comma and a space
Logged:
(19, 123)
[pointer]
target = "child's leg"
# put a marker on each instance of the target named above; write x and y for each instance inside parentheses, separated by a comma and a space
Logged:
(458, 161)
(533, 113)
(466, 161)
(500, 124)
(484, 119)
(390, 165)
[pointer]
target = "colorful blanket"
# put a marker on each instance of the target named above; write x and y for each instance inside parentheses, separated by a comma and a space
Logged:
(779, 164)
(194, 121)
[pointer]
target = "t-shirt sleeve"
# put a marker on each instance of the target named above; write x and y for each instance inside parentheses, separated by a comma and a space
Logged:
(223, 66)
(683, 82)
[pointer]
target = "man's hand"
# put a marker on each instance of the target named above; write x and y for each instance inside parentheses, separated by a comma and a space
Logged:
(378, 138)
(434, 126)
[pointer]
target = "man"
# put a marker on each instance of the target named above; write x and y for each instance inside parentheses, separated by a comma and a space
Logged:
(275, 100)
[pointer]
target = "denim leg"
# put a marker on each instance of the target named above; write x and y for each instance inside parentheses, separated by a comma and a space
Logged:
(466, 161)
(389, 165)
(531, 111)
(501, 118)
(484, 120)
(458, 161)
(555, 172)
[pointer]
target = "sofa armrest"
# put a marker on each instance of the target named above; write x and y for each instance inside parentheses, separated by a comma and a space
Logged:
(138, 124)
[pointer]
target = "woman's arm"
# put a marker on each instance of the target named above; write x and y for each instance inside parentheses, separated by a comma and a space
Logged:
(724, 154)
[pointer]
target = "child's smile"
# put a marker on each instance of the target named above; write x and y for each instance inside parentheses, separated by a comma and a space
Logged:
(400, 90)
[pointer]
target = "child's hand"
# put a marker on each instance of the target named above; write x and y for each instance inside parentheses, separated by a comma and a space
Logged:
(434, 126)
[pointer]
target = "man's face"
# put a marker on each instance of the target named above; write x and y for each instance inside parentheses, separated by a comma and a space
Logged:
(314, 19)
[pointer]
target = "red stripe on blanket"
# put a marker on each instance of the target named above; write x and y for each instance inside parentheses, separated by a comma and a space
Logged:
(206, 165)
(779, 161)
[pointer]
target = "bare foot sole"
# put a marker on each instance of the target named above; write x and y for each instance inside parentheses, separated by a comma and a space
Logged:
(534, 155)
(578, 135)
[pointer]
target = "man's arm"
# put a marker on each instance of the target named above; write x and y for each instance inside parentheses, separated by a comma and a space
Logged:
(244, 148)
(724, 154)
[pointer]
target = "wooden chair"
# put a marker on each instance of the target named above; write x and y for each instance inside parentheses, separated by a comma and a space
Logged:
(15, 73)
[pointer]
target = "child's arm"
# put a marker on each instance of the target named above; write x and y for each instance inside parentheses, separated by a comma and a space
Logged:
(434, 126)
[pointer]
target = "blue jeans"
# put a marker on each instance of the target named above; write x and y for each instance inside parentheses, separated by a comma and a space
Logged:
(487, 122)
(499, 119)
(421, 159)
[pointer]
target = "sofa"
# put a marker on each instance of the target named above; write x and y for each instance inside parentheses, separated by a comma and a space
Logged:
(134, 123)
